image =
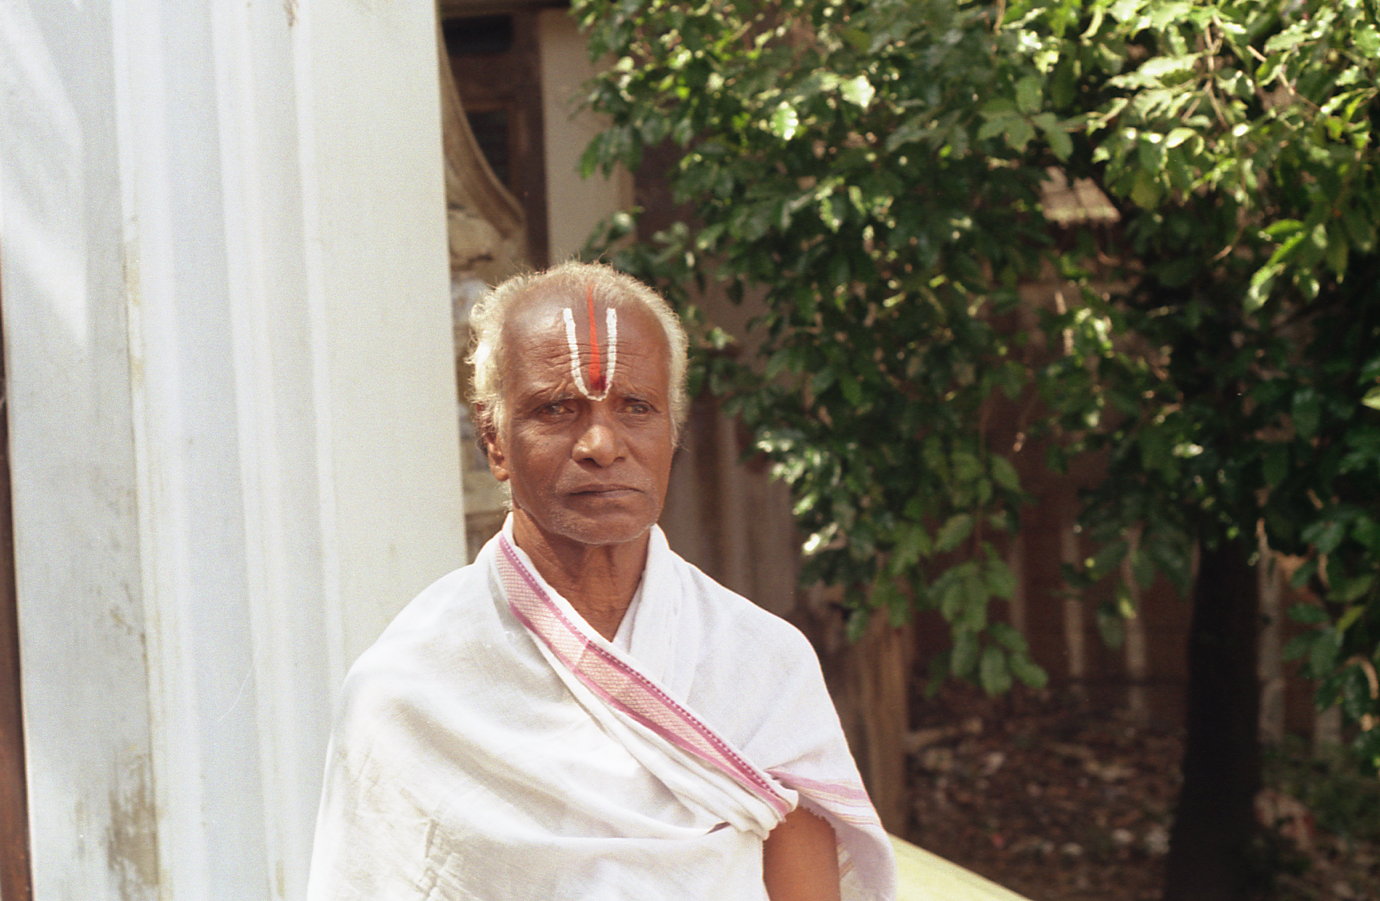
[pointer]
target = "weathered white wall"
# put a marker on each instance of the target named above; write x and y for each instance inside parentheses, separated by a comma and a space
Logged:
(574, 205)
(232, 410)
(76, 515)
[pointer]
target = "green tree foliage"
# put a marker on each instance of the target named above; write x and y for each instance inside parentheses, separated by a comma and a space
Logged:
(871, 174)
(1237, 140)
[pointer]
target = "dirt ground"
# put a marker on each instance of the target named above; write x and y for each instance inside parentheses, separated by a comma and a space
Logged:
(1061, 802)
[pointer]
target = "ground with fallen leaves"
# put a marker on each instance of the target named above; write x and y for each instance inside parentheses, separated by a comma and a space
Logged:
(1063, 802)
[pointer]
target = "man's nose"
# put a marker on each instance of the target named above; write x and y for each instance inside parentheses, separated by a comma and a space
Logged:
(601, 441)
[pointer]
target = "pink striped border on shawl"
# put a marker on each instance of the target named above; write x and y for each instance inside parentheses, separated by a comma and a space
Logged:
(848, 801)
(619, 684)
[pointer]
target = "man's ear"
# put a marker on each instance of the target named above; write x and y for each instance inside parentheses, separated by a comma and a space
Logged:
(489, 443)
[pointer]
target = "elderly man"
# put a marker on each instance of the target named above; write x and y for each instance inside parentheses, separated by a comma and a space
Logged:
(580, 713)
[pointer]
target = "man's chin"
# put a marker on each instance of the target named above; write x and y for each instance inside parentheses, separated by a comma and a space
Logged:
(609, 531)
(602, 529)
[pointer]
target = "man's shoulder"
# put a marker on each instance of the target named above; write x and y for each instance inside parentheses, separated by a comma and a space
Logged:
(732, 616)
(434, 617)
(754, 666)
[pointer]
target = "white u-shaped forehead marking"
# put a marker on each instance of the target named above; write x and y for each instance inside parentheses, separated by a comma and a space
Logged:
(611, 327)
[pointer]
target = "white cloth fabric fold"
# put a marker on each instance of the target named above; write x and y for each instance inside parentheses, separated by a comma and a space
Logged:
(491, 746)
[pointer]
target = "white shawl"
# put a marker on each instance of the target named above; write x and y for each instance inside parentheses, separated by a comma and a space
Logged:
(492, 746)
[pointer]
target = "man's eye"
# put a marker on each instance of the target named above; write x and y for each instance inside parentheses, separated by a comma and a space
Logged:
(640, 407)
(555, 408)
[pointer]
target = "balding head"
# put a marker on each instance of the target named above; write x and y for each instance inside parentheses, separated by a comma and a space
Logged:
(575, 284)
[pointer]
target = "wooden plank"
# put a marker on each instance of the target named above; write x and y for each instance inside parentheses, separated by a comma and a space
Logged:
(878, 678)
(922, 876)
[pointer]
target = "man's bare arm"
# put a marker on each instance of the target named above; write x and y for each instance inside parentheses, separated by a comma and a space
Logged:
(800, 859)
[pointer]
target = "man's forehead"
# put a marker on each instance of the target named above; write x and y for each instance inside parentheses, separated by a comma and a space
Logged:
(542, 315)
(540, 308)
(590, 342)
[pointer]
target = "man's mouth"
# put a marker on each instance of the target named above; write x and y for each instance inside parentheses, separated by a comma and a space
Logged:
(603, 490)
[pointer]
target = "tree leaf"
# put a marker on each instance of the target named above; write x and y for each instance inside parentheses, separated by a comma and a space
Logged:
(999, 580)
(1060, 144)
(1322, 656)
(994, 675)
(1178, 136)
(1274, 463)
(1307, 412)
(963, 661)
(1029, 93)
(1028, 672)
(1004, 474)
(784, 122)
(1299, 646)
(954, 531)
(1308, 614)
(858, 91)
(1008, 637)
(1325, 535)
(1111, 626)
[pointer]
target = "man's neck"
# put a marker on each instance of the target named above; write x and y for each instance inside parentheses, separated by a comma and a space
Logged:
(599, 581)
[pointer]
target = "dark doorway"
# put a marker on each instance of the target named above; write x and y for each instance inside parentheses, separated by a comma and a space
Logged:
(496, 64)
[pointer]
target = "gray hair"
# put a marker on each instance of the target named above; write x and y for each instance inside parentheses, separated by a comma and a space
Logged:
(488, 349)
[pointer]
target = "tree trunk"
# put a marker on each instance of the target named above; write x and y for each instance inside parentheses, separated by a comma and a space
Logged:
(1214, 825)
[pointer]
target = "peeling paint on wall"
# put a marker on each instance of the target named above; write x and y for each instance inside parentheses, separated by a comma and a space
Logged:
(132, 836)
(117, 617)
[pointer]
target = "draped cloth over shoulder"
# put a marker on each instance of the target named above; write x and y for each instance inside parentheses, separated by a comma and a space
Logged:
(491, 745)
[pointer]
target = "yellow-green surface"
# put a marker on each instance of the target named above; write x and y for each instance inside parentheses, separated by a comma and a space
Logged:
(923, 876)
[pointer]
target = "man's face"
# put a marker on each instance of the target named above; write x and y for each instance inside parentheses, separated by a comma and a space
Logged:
(585, 470)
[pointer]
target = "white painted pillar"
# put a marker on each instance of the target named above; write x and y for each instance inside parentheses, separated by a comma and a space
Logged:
(232, 410)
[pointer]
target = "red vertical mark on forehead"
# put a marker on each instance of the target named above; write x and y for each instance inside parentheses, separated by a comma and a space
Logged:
(596, 372)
